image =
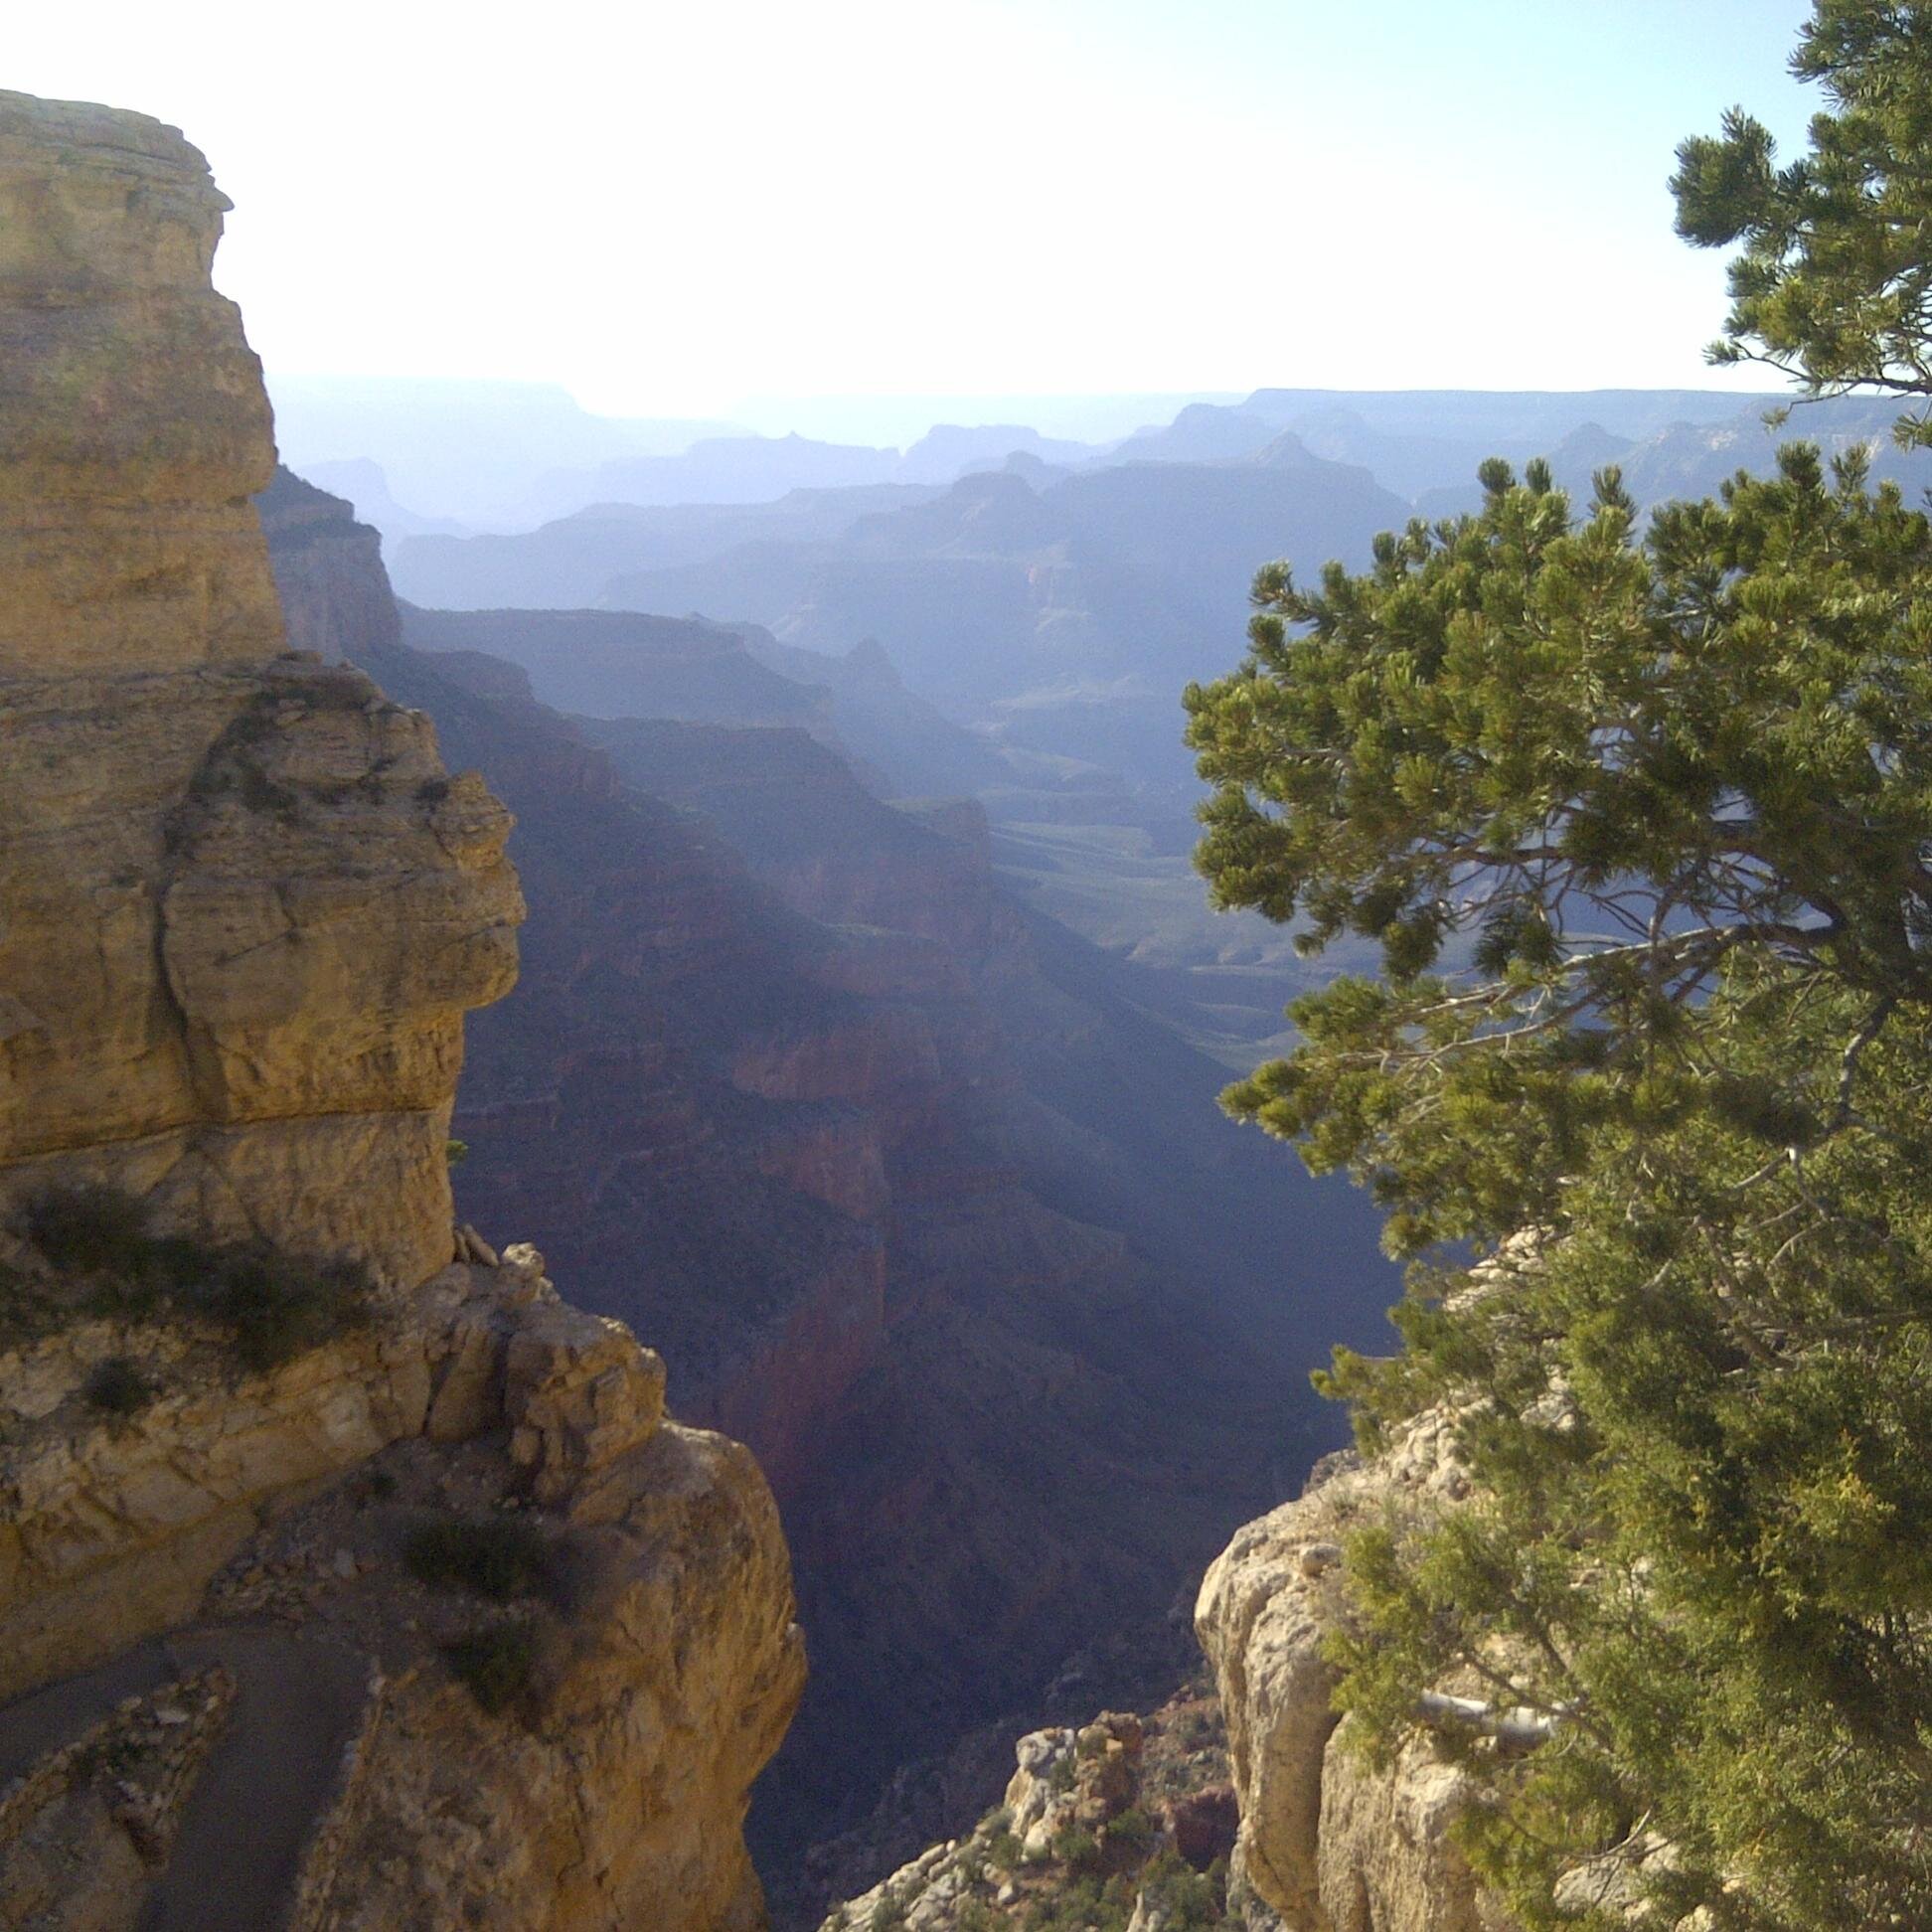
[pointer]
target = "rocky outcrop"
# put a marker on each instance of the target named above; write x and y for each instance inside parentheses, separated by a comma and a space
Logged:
(341, 1582)
(273, 1526)
(1329, 1841)
(1120, 1825)
(247, 907)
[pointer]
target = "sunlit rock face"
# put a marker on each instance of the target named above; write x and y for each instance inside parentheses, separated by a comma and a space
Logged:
(243, 910)
(242, 907)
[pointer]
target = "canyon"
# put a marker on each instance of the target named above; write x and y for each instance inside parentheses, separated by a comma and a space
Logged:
(351, 1575)
(912, 1192)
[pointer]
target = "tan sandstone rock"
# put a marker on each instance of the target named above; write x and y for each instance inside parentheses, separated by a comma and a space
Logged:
(1327, 1840)
(243, 911)
(245, 906)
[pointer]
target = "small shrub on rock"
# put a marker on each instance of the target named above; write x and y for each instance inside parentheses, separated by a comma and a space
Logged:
(118, 1387)
(497, 1557)
(277, 1306)
(90, 1231)
(495, 1663)
(26, 1308)
(99, 1243)
(1190, 1899)
(1077, 1848)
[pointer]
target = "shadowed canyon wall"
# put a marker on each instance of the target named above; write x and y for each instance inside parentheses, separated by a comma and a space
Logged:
(913, 1193)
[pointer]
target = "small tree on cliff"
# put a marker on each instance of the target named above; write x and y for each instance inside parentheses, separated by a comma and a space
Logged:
(1643, 823)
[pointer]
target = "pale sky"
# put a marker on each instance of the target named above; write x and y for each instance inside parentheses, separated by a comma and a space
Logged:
(671, 207)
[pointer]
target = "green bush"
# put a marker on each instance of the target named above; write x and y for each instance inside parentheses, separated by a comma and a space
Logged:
(1133, 1828)
(1077, 1848)
(498, 1557)
(90, 1231)
(1192, 1900)
(273, 1305)
(495, 1663)
(118, 1387)
(26, 1308)
(1003, 1848)
(277, 1306)
(1082, 1905)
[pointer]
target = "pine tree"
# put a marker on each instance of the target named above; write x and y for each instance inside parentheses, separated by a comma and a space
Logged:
(1642, 820)
(1833, 282)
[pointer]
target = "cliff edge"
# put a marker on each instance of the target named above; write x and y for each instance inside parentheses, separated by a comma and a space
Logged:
(348, 1575)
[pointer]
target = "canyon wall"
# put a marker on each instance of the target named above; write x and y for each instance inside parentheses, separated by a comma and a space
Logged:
(1330, 1840)
(246, 906)
(348, 1575)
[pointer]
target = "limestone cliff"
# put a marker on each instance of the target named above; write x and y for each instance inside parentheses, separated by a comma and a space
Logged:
(347, 1576)
(245, 908)
(1327, 1840)
(1331, 1840)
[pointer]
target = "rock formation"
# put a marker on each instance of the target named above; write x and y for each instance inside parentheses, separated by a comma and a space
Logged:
(1329, 1842)
(347, 1576)
(1122, 1822)
(1332, 1839)
(245, 908)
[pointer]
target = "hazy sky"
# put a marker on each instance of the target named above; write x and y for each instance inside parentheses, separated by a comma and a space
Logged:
(669, 208)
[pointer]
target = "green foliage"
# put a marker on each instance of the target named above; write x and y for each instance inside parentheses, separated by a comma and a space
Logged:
(28, 1307)
(1641, 824)
(498, 1557)
(1131, 1830)
(90, 1231)
(1077, 1848)
(277, 1306)
(456, 1152)
(272, 1305)
(495, 1662)
(1534, 738)
(118, 1386)
(1190, 1900)
(1003, 1848)
(1082, 1904)
(1833, 281)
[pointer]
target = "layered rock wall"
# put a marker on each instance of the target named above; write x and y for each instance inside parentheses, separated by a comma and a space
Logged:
(267, 1520)
(357, 1596)
(245, 908)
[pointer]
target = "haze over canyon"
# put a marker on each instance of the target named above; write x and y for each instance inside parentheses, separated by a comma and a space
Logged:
(648, 1270)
